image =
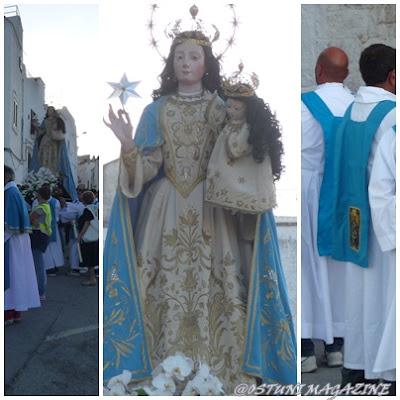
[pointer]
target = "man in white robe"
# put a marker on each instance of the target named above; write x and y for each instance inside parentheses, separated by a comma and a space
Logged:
(21, 291)
(366, 289)
(69, 214)
(322, 313)
(382, 198)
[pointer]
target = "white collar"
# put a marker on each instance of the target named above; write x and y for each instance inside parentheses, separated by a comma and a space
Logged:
(372, 94)
(330, 84)
(9, 185)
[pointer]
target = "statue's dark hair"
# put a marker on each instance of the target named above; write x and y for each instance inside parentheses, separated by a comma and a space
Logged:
(376, 61)
(211, 79)
(60, 122)
(265, 133)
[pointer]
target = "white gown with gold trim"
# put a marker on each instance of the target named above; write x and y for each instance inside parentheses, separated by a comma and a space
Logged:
(191, 276)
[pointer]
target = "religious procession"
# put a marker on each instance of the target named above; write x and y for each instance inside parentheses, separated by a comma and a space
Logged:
(348, 204)
(195, 294)
(51, 224)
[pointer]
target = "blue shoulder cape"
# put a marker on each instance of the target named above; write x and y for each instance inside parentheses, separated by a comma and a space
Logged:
(270, 348)
(16, 220)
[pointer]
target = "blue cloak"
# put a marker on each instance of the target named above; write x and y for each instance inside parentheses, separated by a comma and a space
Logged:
(270, 346)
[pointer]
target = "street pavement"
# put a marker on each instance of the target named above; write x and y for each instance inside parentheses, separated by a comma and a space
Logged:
(54, 350)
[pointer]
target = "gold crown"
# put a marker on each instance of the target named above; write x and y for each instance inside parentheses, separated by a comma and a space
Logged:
(182, 30)
(240, 84)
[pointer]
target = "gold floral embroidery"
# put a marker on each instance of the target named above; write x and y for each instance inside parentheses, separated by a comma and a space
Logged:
(220, 195)
(195, 301)
(188, 137)
(118, 292)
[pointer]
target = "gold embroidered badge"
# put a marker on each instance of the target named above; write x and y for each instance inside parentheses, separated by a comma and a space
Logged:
(355, 223)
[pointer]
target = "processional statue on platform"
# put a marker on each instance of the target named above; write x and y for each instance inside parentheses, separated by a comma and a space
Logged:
(50, 150)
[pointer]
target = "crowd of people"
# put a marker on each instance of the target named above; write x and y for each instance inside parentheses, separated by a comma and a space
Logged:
(45, 237)
(348, 233)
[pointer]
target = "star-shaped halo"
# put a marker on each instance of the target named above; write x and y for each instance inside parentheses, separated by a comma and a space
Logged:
(123, 89)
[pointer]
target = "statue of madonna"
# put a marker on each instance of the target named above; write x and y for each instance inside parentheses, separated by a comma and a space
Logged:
(175, 267)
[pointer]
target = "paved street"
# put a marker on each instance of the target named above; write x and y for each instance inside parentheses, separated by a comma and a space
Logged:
(54, 350)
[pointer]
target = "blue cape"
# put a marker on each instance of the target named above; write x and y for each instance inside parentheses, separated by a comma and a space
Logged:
(270, 348)
(351, 215)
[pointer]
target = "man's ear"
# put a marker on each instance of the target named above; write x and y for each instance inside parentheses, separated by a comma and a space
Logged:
(392, 79)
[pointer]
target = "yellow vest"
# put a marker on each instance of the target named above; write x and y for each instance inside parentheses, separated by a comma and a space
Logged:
(45, 227)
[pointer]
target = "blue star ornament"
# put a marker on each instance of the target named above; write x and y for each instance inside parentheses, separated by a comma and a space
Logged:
(123, 89)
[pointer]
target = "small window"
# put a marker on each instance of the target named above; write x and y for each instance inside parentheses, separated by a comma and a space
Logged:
(15, 114)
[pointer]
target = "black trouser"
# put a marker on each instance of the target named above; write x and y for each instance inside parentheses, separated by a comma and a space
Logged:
(307, 346)
(354, 376)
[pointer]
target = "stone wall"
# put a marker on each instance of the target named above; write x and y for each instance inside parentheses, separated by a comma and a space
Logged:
(351, 27)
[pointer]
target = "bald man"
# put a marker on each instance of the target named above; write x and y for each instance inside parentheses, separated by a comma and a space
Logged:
(322, 278)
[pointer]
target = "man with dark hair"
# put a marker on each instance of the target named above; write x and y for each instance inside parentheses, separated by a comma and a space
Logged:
(20, 285)
(322, 279)
(353, 239)
(378, 64)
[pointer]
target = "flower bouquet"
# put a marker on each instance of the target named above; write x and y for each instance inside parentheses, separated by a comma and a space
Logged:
(177, 375)
(35, 180)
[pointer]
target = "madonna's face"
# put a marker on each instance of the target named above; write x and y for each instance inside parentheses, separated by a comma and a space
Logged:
(189, 65)
(50, 111)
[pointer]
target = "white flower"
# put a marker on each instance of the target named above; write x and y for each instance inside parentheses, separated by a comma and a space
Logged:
(204, 371)
(208, 389)
(178, 366)
(164, 382)
(118, 389)
(190, 390)
(215, 383)
(205, 383)
(123, 378)
(156, 392)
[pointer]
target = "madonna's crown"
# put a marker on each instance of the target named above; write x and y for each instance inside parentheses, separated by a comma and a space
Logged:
(240, 84)
(192, 29)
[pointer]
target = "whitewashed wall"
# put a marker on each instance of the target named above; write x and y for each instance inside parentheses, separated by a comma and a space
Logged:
(351, 27)
(13, 89)
(33, 100)
(88, 171)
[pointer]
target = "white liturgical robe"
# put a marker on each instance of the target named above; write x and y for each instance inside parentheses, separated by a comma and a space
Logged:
(382, 197)
(322, 279)
(366, 288)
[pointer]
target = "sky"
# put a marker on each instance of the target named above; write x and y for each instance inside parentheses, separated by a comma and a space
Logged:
(61, 46)
(76, 49)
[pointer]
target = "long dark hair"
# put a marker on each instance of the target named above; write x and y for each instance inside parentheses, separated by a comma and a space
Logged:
(265, 133)
(60, 122)
(211, 79)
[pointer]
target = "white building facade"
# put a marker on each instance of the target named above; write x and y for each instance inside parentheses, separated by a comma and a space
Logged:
(14, 72)
(88, 172)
